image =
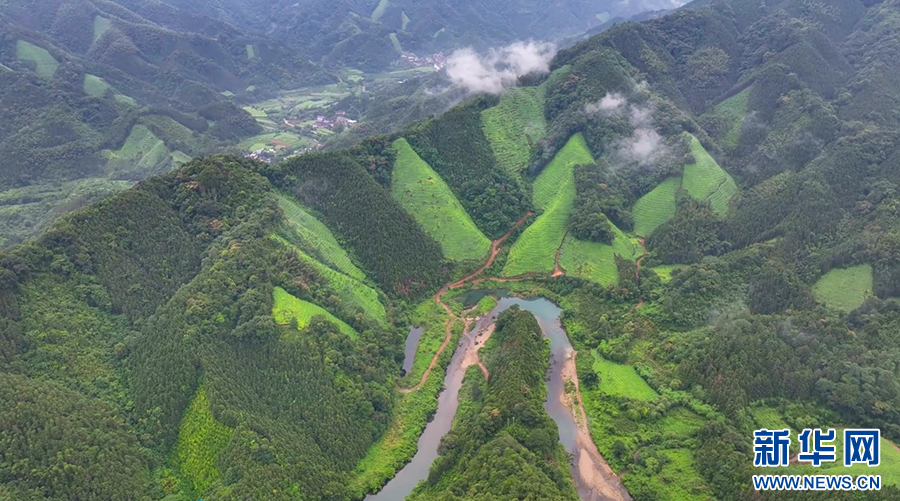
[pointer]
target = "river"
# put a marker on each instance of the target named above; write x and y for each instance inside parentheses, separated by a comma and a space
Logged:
(593, 479)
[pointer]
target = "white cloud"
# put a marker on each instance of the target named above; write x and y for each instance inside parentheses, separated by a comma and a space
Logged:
(500, 68)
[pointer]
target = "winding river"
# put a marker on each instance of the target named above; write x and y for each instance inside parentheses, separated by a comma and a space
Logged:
(593, 478)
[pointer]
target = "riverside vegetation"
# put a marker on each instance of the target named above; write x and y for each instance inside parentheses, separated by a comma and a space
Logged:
(231, 330)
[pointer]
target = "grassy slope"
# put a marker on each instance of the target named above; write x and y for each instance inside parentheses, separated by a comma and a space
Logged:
(621, 380)
(142, 149)
(422, 192)
(379, 9)
(200, 440)
(656, 207)
(596, 261)
(705, 180)
(287, 306)
(354, 292)
(101, 24)
(45, 63)
(845, 289)
(319, 237)
(514, 126)
(554, 194)
(396, 42)
(94, 86)
(734, 109)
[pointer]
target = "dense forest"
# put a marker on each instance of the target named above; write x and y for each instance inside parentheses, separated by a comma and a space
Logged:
(232, 329)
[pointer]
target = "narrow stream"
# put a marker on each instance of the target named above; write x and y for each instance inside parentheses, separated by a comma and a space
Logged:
(547, 315)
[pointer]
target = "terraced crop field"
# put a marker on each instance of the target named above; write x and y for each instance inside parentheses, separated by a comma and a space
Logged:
(664, 272)
(554, 194)
(422, 192)
(734, 109)
(845, 289)
(45, 64)
(271, 140)
(141, 151)
(656, 207)
(352, 291)
(101, 24)
(705, 180)
(251, 52)
(94, 86)
(200, 440)
(514, 126)
(396, 42)
(171, 129)
(287, 306)
(180, 157)
(621, 380)
(596, 261)
(379, 9)
(318, 237)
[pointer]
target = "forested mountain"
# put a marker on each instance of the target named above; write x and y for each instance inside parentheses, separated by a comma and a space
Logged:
(234, 330)
(98, 93)
(358, 32)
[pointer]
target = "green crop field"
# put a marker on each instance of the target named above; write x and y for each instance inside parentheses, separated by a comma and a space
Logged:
(656, 207)
(180, 157)
(94, 86)
(621, 380)
(355, 293)
(404, 20)
(844, 288)
(705, 180)
(734, 109)
(287, 306)
(514, 126)
(379, 9)
(251, 52)
(141, 151)
(318, 237)
(422, 192)
(263, 141)
(101, 24)
(396, 42)
(45, 64)
(664, 272)
(171, 130)
(554, 194)
(200, 440)
(125, 99)
(596, 261)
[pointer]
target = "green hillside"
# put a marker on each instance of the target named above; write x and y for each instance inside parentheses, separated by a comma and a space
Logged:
(42, 62)
(286, 308)
(844, 289)
(656, 207)
(705, 180)
(318, 237)
(515, 126)
(422, 192)
(554, 193)
(597, 261)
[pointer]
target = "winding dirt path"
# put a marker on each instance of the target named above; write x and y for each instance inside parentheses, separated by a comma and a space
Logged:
(448, 330)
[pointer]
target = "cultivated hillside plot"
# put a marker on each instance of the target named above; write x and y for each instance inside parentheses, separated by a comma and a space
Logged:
(734, 109)
(554, 194)
(200, 440)
(355, 293)
(621, 380)
(597, 261)
(846, 288)
(514, 126)
(656, 207)
(422, 192)
(141, 152)
(318, 237)
(44, 64)
(286, 307)
(705, 180)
